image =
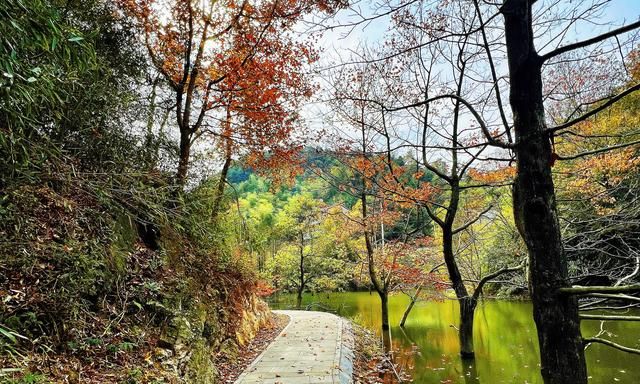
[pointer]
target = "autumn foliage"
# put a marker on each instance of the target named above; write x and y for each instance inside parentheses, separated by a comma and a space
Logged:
(235, 69)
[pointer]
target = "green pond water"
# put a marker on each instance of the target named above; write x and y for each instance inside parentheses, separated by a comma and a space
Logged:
(505, 339)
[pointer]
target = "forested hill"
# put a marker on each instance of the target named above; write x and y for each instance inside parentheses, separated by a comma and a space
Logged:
(320, 175)
(324, 174)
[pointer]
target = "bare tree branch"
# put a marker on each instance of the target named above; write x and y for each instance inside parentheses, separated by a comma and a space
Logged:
(492, 276)
(594, 111)
(610, 317)
(593, 40)
(485, 130)
(578, 290)
(611, 344)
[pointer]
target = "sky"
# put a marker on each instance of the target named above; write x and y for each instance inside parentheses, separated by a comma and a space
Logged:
(342, 39)
(338, 43)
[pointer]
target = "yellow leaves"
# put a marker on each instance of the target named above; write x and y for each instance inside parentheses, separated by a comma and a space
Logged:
(596, 179)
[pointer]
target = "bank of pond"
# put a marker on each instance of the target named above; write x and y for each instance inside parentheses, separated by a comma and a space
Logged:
(505, 338)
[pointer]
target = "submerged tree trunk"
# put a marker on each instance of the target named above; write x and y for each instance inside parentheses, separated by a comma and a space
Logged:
(470, 372)
(380, 285)
(467, 312)
(386, 329)
(555, 315)
(465, 302)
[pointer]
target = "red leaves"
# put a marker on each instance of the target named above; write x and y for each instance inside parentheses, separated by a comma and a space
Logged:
(241, 61)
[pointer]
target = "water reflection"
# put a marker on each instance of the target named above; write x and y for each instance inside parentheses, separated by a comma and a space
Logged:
(505, 340)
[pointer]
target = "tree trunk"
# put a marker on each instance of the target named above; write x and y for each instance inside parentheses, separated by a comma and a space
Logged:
(407, 311)
(221, 183)
(386, 329)
(555, 315)
(228, 146)
(299, 298)
(470, 372)
(465, 331)
(183, 160)
(151, 144)
(414, 298)
(467, 311)
(381, 287)
(302, 282)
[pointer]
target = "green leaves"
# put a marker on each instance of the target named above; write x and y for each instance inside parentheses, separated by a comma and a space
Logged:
(41, 59)
(39, 67)
(64, 84)
(11, 335)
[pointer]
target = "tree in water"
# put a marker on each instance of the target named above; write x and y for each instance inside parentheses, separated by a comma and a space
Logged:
(525, 134)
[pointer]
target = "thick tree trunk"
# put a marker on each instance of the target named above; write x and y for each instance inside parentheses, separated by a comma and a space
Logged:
(467, 311)
(555, 315)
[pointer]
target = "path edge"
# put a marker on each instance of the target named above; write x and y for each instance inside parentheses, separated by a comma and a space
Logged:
(255, 361)
(347, 345)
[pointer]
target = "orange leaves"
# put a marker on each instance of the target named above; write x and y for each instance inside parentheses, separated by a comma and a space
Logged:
(140, 9)
(397, 186)
(281, 164)
(367, 167)
(612, 166)
(264, 289)
(634, 64)
(234, 67)
(596, 179)
(496, 176)
(423, 193)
